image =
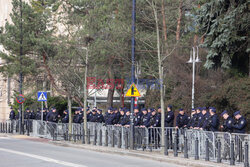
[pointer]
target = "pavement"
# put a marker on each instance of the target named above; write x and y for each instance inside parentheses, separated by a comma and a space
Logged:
(25, 151)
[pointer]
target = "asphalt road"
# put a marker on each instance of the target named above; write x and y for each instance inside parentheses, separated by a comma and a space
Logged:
(25, 153)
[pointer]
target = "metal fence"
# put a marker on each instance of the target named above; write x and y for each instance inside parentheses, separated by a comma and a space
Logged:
(219, 147)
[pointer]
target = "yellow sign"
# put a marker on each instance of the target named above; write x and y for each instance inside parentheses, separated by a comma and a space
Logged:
(133, 91)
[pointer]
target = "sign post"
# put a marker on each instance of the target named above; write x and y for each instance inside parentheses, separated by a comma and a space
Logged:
(42, 96)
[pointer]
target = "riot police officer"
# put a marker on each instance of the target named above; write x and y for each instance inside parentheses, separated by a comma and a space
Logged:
(53, 116)
(169, 119)
(12, 114)
(75, 117)
(181, 119)
(110, 117)
(153, 119)
(94, 116)
(213, 121)
(65, 117)
(227, 127)
(144, 118)
(137, 116)
(100, 116)
(192, 120)
(240, 123)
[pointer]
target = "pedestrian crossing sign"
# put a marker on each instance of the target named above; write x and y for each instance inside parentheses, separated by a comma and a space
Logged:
(41, 96)
(133, 91)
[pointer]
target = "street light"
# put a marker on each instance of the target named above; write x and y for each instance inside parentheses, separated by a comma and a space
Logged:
(194, 58)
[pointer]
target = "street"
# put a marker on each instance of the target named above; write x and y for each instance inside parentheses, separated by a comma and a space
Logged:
(24, 153)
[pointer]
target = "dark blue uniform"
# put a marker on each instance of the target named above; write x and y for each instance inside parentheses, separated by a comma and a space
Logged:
(212, 123)
(202, 122)
(144, 119)
(94, 118)
(79, 118)
(240, 125)
(65, 118)
(228, 125)
(192, 121)
(124, 120)
(137, 117)
(169, 119)
(100, 118)
(75, 118)
(109, 119)
(38, 115)
(12, 115)
(181, 120)
(153, 120)
(53, 117)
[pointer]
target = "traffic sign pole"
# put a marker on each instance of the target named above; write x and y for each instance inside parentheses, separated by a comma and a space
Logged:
(42, 112)
(133, 73)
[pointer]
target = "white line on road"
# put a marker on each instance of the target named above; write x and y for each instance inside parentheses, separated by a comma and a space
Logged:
(42, 158)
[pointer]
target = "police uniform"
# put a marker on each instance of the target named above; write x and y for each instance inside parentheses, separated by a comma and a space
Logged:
(12, 115)
(227, 127)
(153, 120)
(213, 122)
(94, 117)
(240, 124)
(181, 120)
(137, 118)
(144, 119)
(65, 118)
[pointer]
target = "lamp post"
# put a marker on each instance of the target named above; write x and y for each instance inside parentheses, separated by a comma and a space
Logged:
(132, 73)
(194, 58)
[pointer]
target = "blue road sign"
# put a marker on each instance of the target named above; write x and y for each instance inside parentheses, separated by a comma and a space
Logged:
(41, 96)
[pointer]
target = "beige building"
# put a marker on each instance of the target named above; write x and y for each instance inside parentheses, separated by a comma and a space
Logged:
(7, 85)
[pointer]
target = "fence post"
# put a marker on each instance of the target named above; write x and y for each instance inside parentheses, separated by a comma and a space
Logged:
(232, 160)
(95, 136)
(185, 147)
(88, 136)
(166, 145)
(100, 137)
(6, 128)
(106, 138)
(175, 145)
(246, 162)
(207, 150)
(119, 145)
(219, 152)
(240, 150)
(74, 137)
(126, 140)
(28, 127)
(83, 136)
(113, 138)
(196, 149)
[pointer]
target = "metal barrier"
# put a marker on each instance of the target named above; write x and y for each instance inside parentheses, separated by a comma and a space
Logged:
(207, 145)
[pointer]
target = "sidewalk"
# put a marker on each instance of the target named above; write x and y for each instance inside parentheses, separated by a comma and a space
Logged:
(190, 162)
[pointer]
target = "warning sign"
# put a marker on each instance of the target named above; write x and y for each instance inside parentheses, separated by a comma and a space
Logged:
(133, 91)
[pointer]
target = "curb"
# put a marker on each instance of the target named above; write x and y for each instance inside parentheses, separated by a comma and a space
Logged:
(145, 155)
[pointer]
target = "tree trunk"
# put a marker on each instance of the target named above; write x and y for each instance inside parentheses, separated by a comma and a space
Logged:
(85, 96)
(111, 89)
(70, 116)
(164, 22)
(178, 29)
(160, 76)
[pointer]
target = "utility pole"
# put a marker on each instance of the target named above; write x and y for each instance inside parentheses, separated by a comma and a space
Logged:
(21, 115)
(132, 74)
(85, 95)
